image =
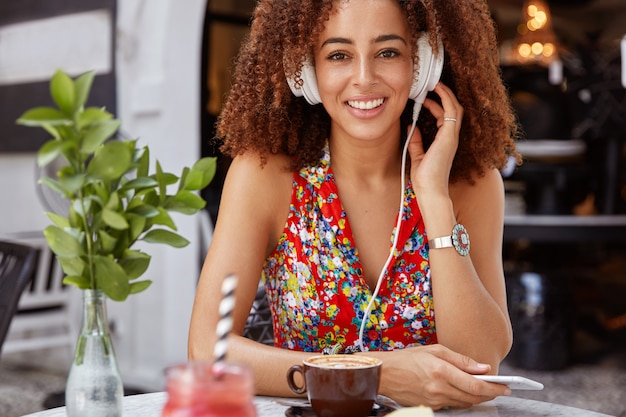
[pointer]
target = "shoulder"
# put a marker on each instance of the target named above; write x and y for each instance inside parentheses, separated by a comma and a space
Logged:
(487, 191)
(258, 189)
(255, 179)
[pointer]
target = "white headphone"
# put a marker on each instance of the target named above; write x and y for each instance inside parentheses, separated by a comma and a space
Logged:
(425, 78)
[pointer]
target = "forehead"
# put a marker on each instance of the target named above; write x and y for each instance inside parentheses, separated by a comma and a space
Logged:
(366, 18)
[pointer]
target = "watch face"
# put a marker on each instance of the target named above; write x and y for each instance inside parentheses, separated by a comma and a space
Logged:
(460, 240)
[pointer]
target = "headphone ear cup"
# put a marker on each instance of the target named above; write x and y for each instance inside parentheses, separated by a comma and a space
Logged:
(429, 69)
(309, 89)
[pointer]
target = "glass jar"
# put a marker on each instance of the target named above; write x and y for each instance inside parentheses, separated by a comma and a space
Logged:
(94, 386)
(205, 389)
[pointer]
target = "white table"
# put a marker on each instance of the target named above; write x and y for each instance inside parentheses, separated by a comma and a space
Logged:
(150, 405)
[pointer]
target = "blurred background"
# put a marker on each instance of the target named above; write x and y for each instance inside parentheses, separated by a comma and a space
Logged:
(163, 67)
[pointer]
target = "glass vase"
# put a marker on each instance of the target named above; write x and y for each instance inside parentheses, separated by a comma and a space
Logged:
(94, 385)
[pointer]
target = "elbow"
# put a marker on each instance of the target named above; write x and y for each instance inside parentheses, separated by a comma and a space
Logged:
(197, 348)
(505, 345)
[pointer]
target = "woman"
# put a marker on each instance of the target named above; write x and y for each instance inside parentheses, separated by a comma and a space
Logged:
(311, 199)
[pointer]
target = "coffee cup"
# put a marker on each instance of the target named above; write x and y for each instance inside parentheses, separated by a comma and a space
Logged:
(338, 385)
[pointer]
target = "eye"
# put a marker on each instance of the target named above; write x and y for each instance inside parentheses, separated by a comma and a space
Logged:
(389, 53)
(337, 56)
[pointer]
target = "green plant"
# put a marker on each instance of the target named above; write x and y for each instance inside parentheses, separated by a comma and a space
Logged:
(114, 200)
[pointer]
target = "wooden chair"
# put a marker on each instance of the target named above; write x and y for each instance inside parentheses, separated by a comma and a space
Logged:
(17, 263)
(43, 318)
(259, 324)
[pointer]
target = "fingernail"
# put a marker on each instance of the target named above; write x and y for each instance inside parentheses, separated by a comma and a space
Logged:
(507, 391)
(483, 366)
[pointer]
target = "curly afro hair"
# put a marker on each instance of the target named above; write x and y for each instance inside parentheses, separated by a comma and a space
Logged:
(262, 115)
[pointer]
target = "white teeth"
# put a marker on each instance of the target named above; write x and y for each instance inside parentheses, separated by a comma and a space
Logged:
(365, 105)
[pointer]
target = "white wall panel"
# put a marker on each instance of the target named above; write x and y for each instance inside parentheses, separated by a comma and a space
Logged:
(31, 51)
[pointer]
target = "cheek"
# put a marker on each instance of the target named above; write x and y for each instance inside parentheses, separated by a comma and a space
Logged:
(329, 82)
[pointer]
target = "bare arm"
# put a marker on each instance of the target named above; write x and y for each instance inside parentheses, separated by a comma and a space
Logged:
(254, 207)
(468, 291)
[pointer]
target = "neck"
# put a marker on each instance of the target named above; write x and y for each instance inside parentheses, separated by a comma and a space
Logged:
(370, 161)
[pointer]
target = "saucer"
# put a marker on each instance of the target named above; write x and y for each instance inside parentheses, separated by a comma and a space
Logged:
(378, 411)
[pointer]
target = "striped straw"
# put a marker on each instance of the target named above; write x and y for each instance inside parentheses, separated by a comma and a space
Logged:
(225, 323)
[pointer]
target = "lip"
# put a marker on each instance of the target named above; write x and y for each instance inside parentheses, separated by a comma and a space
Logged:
(366, 113)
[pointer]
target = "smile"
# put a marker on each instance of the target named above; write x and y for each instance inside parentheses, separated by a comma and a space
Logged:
(366, 105)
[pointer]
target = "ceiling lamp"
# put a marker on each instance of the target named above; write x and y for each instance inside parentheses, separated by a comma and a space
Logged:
(535, 42)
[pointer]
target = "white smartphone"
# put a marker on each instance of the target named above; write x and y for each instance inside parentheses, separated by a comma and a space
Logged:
(513, 382)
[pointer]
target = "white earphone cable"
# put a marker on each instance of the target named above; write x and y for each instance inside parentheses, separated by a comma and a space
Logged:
(366, 313)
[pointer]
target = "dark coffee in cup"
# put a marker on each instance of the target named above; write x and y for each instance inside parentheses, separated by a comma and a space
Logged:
(338, 385)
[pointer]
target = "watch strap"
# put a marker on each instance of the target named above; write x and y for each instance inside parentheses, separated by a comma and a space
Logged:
(459, 240)
(441, 242)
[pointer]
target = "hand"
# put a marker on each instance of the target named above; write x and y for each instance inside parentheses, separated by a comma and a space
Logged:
(437, 377)
(431, 169)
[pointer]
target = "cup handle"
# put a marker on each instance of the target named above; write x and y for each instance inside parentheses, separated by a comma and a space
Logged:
(292, 384)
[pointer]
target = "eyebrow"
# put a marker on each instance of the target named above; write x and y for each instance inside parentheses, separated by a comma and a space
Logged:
(381, 38)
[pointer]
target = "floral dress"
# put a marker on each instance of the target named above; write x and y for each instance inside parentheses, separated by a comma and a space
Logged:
(314, 279)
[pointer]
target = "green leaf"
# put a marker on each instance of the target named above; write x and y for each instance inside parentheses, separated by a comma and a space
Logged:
(114, 219)
(190, 199)
(137, 225)
(111, 161)
(164, 219)
(52, 130)
(177, 206)
(144, 162)
(75, 220)
(48, 152)
(79, 281)
(165, 236)
(139, 286)
(61, 242)
(62, 91)
(201, 174)
(53, 185)
(82, 86)
(82, 207)
(135, 264)
(73, 266)
(71, 183)
(40, 116)
(59, 220)
(144, 210)
(92, 115)
(97, 134)
(111, 278)
(140, 183)
(114, 202)
(107, 242)
(151, 198)
(167, 178)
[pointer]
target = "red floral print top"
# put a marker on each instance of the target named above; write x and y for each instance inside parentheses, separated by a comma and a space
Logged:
(314, 279)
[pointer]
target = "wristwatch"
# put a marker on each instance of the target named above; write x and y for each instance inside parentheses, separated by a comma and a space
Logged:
(459, 240)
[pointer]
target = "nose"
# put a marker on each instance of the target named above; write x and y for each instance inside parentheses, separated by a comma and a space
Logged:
(365, 72)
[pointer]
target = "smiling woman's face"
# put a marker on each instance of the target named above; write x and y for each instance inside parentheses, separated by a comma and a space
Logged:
(364, 68)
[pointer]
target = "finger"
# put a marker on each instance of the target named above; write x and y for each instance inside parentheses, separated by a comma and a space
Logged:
(451, 106)
(434, 108)
(463, 362)
(441, 393)
(475, 390)
(446, 95)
